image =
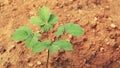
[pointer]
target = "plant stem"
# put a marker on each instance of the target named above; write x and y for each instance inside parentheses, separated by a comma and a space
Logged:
(47, 59)
(47, 55)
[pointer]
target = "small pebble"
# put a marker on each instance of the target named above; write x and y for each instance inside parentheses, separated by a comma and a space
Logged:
(113, 25)
(95, 19)
(80, 11)
(108, 43)
(38, 62)
(31, 12)
(101, 49)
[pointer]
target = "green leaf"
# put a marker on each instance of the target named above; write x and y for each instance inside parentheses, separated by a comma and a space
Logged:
(60, 31)
(53, 19)
(44, 13)
(46, 27)
(27, 29)
(74, 29)
(32, 40)
(21, 34)
(38, 47)
(54, 48)
(37, 34)
(36, 20)
(60, 44)
(41, 46)
(46, 42)
(28, 42)
(63, 44)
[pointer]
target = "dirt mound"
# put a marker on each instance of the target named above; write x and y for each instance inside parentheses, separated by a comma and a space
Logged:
(99, 47)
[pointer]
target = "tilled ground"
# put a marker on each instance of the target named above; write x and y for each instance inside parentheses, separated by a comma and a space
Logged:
(99, 47)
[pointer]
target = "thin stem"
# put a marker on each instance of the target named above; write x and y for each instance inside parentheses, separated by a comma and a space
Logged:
(47, 59)
(47, 55)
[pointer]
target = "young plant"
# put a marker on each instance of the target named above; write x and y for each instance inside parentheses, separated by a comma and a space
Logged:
(46, 20)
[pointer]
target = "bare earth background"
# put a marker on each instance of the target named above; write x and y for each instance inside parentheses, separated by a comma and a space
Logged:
(99, 47)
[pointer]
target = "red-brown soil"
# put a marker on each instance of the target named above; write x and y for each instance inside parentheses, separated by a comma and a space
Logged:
(99, 47)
